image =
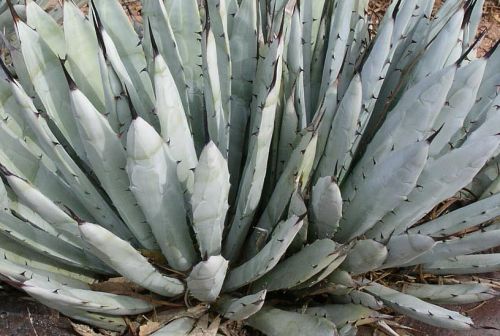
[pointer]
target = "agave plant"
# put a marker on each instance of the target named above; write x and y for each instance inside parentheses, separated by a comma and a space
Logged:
(278, 155)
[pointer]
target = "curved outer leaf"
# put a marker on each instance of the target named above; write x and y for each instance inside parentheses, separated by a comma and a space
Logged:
(206, 279)
(383, 190)
(90, 301)
(43, 206)
(108, 160)
(155, 185)
(276, 322)
(366, 255)
(209, 201)
(440, 179)
(326, 208)
(46, 244)
(457, 220)
(406, 248)
(451, 294)
(51, 300)
(74, 176)
(81, 55)
(343, 314)
(19, 273)
(29, 259)
(300, 267)
(349, 295)
(468, 264)
(174, 124)
(267, 258)
(124, 259)
(242, 308)
(420, 310)
(468, 244)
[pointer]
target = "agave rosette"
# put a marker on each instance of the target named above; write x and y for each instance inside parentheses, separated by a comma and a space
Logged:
(264, 148)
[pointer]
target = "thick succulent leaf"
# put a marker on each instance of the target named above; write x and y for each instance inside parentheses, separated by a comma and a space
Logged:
(216, 117)
(52, 300)
(179, 327)
(161, 36)
(349, 295)
(111, 51)
(217, 11)
(468, 244)
(243, 44)
(116, 104)
(47, 77)
(296, 175)
(128, 48)
(16, 272)
(338, 36)
(366, 255)
(210, 200)
(451, 294)
(300, 267)
(90, 301)
(326, 208)
(254, 173)
(153, 178)
(239, 309)
(337, 155)
(43, 206)
(388, 185)
(460, 99)
(406, 248)
(72, 173)
(343, 314)
(124, 259)
(325, 272)
(276, 322)
(186, 26)
(440, 179)
(298, 208)
(411, 120)
(436, 54)
(206, 279)
(468, 264)
(418, 309)
(45, 25)
(174, 124)
(461, 219)
(24, 256)
(108, 160)
(81, 55)
(267, 258)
